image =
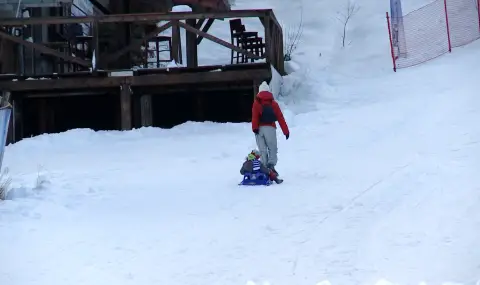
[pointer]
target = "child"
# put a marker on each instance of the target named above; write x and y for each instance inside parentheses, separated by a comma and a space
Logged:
(253, 164)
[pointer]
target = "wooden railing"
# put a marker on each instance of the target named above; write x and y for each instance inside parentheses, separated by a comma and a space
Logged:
(193, 22)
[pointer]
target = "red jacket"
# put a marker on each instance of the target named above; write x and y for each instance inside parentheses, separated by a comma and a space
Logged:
(266, 98)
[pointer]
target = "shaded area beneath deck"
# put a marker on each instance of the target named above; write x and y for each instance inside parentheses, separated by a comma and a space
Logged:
(219, 106)
(102, 111)
(59, 114)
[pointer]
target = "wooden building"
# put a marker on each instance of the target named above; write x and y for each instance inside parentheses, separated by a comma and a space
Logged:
(65, 71)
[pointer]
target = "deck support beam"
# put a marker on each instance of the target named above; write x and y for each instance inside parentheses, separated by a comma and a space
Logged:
(125, 107)
(176, 42)
(204, 29)
(17, 119)
(146, 111)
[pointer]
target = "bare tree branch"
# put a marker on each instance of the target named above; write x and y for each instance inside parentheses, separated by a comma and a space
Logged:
(292, 38)
(350, 10)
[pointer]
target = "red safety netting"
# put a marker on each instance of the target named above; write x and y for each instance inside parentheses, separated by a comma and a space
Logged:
(433, 30)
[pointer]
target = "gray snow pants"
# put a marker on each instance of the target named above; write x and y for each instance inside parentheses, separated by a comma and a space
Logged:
(267, 145)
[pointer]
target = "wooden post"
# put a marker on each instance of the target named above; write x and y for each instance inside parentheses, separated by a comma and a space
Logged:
(42, 116)
(146, 112)
(268, 39)
(125, 107)
(6, 100)
(96, 46)
(274, 45)
(280, 52)
(191, 42)
(17, 119)
(176, 42)
(200, 106)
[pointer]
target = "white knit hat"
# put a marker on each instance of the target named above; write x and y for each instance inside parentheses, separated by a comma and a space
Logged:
(264, 87)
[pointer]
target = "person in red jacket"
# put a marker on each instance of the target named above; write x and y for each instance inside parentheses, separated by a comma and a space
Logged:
(265, 113)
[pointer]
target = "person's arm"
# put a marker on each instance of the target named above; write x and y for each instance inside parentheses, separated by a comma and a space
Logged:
(280, 118)
(255, 115)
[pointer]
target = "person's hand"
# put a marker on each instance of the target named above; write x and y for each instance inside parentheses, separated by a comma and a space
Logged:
(255, 131)
(287, 136)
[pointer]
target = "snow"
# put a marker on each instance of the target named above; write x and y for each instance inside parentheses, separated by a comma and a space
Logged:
(381, 180)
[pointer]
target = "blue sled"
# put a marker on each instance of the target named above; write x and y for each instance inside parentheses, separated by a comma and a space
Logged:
(255, 179)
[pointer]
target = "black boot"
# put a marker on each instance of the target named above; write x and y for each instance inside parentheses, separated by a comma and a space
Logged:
(278, 180)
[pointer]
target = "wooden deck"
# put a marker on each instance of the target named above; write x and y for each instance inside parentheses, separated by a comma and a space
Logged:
(132, 97)
(58, 84)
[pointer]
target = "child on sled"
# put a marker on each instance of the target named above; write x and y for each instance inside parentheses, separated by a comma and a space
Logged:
(253, 164)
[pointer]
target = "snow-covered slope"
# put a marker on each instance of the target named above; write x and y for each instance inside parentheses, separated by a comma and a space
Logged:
(380, 183)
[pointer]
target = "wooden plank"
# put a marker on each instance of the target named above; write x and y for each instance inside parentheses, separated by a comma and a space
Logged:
(139, 17)
(44, 49)
(205, 29)
(192, 78)
(162, 90)
(125, 107)
(106, 58)
(146, 111)
(218, 41)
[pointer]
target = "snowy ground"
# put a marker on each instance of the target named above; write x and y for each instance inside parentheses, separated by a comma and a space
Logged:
(380, 174)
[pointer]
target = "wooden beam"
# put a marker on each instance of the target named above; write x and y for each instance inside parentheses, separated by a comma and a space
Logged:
(100, 7)
(106, 58)
(218, 41)
(95, 45)
(274, 19)
(199, 23)
(17, 119)
(125, 107)
(43, 114)
(200, 77)
(268, 39)
(146, 113)
(192, 48)
(44, 49)
(205, 29)
(90, 83)
(176, 43)
(140, 17)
